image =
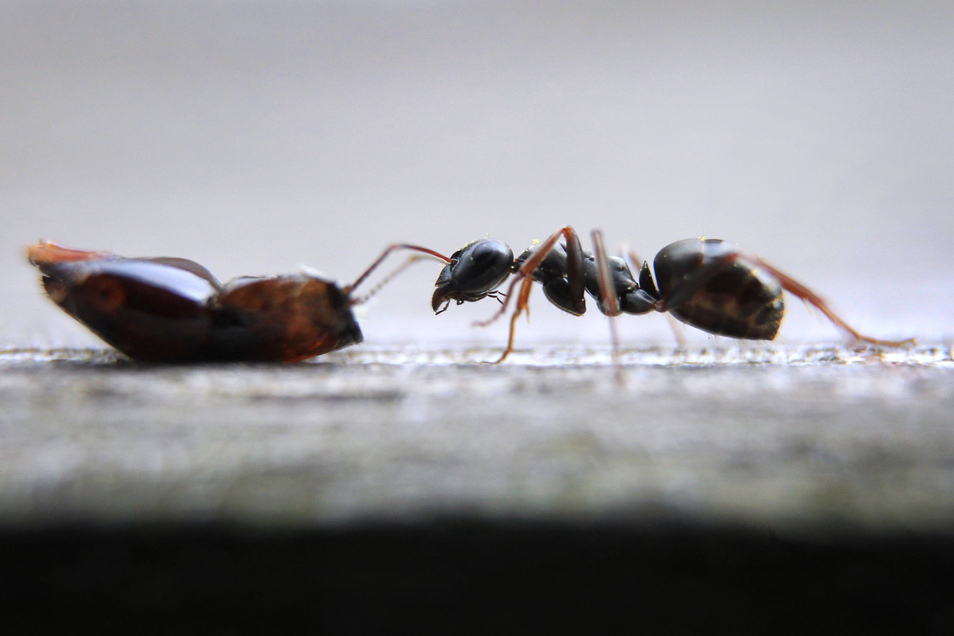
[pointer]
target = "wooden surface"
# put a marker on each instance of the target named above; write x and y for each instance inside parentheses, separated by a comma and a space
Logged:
(789, 437)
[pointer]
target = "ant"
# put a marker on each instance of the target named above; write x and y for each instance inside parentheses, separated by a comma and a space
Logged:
(174, 310)
(710, 284)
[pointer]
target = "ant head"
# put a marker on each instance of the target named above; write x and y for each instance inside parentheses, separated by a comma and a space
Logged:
(474, 272)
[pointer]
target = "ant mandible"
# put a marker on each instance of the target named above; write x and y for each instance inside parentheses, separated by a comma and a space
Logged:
(174, 310)
(710, 284)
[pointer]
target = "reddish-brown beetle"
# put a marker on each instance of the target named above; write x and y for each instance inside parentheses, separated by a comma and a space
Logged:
(174, 310)
(710, 284)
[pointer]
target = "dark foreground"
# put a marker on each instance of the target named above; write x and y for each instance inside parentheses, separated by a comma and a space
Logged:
(473, 577)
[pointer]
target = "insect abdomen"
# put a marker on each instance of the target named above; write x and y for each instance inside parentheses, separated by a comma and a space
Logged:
(738, 299)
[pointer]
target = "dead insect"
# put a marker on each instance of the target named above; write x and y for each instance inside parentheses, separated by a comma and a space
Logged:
(174, 310)
(710, 284)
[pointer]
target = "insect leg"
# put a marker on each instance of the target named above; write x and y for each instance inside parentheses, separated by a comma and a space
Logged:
(525, 287)
(673, 323)
(608, 299)
(796, 288)
(524, 276)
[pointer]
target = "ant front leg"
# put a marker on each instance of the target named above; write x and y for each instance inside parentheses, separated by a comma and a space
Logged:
(570, 300)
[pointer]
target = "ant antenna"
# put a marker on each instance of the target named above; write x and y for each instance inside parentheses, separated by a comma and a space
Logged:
(387, 279)
(391, 248)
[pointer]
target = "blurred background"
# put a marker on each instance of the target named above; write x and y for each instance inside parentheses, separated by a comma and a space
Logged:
(257, 136)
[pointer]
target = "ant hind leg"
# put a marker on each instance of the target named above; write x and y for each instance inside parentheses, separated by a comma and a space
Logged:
(796, 288)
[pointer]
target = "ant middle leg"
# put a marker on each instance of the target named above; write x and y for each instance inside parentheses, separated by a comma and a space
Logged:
(646, 283)
(609, 300)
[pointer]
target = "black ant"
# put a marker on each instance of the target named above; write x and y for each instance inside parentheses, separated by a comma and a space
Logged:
(710, 284)
(174, 310)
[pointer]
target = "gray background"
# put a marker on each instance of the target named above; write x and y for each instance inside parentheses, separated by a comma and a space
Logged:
(257, 136)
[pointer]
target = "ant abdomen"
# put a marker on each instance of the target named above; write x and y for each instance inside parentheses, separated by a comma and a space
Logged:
(715, 286)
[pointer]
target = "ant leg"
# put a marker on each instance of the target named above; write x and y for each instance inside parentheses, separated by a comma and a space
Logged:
(608, 299)
(525, 287)
(574, 272)
(524, 276)
(574, 269)
(396, 246)
(673, 323)
(788, 283)
(795, 288)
